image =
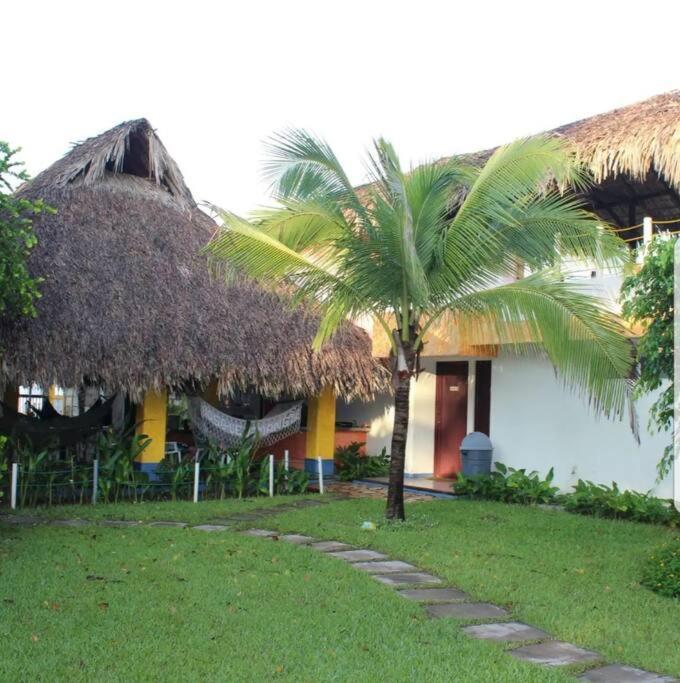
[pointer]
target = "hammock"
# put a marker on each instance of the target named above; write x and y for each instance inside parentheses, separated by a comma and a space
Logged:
(55, 431)
(227, 431)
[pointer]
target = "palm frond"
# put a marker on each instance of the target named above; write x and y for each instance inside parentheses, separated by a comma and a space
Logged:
(302, 225)
(584, 340)
(301, 167)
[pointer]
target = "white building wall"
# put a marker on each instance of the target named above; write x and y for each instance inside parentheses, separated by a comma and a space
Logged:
(536, 423)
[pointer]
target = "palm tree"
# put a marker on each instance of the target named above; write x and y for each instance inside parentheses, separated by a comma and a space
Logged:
(441, 243)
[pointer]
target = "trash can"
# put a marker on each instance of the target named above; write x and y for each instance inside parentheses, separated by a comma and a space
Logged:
(476, 451)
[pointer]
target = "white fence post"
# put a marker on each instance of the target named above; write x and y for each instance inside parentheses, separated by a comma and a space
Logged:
(15, 481)
(271, 476)
(286, 460)
(95, 480)
(320, 461)
(197, 471)
(647, 230)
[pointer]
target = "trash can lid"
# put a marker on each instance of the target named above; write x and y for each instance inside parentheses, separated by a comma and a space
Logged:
(476, 441)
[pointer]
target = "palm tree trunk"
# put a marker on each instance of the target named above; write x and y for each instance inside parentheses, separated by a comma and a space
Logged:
(405, 365)
(395, 492)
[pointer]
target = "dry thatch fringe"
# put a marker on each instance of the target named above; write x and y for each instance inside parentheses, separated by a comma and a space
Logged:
(631, 140)
(128, 301)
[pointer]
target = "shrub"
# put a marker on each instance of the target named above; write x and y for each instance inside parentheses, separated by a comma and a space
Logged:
(662, 571)
(508, 485)
(353, 464)
(608, 501)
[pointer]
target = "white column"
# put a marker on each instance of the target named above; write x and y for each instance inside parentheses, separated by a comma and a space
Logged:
(472, 383)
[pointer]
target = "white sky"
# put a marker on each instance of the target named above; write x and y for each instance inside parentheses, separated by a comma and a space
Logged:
(215, 79)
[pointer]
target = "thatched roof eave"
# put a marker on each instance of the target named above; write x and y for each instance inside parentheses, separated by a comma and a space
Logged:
(128, 301)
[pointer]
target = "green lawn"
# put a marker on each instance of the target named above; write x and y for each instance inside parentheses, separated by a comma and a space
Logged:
(98, 603)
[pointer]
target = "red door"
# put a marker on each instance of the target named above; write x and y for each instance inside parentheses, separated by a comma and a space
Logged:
(450, 417)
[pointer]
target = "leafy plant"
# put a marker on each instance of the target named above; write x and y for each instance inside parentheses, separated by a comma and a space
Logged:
(117, 474)
(286, 482)
(662, 571)
(648, 300)
(352, 464)
(178, 476)
(588, 498)
(18, 289)
(509, 485)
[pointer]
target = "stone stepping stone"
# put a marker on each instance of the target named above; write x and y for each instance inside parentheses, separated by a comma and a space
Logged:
(297, 539)
(509, 631)
(222, 521)
(210, 527)
(358, 555)
(172, 525)
(406, 578)
(330, 546)
(386, 567)
(120, 522)
(69, 522)
(434, 594)
(465, 610)
(22, 519)
(244, 517)
(260, 533)
(554, 653)
(618, 673)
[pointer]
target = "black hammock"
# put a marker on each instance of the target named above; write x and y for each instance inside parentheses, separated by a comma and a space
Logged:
(54, 430)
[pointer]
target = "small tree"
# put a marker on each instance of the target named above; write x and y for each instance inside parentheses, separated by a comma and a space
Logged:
(439, 243)
(648, 300)
(18, 290)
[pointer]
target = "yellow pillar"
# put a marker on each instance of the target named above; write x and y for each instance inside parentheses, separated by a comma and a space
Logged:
(52, 397)
(152, 418)
(321, 431)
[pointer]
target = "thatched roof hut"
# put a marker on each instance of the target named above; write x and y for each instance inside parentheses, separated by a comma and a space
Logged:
(633, 154)
(128, 301)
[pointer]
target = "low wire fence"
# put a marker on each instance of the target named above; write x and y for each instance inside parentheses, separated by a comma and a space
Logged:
(99, 481)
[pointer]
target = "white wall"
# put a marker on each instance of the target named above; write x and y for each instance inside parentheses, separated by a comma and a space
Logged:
(536, 423)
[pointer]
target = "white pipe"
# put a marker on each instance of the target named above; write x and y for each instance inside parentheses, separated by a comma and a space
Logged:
(472, 391)
(320, 461)
(197, 470)
(271, 476)
(15, 481)
(286, 461)
(95, 480)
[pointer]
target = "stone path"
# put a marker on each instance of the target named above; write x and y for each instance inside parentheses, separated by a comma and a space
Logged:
(535, 645)
(215, 524)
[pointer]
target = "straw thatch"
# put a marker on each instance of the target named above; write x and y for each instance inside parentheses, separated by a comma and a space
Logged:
(128, 301)
(633, 154)
(631, 140)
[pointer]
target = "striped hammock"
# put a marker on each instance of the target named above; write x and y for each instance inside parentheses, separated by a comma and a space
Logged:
(227, 431)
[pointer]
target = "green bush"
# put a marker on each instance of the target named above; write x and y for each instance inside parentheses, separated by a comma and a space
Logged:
(352, 464)
(508, 485)
(608, 501)
(662, 571)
